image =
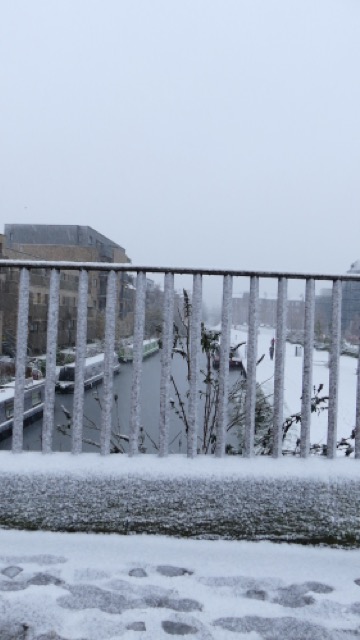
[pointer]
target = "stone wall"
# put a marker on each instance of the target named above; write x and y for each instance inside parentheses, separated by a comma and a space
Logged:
(313, 501)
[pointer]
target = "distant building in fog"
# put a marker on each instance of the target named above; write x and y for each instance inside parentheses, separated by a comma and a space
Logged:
(350, 317)
(267, 311)
(323, 311)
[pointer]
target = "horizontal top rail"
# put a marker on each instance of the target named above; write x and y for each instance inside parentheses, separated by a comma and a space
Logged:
(113, 266)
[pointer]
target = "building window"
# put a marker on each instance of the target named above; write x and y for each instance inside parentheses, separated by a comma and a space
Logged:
(9, 409)
(36, 397)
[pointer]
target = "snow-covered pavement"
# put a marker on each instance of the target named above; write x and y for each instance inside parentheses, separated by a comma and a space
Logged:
(99, 587)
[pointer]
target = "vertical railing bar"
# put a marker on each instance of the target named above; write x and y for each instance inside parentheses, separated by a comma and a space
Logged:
(307, 368)
(20, 362)
(139, 324)
(106, 415)
(250, 401)
(280, 351)
(195, 351)
(166, 354)
(81, 330)
(51, 344)
(222, 417)
(334, 369)
(357, 415)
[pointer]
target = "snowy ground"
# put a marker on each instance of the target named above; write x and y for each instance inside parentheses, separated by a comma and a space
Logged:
(99, 587)
(293, 384)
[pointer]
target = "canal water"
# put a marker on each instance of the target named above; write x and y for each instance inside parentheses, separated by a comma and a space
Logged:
(150, 410)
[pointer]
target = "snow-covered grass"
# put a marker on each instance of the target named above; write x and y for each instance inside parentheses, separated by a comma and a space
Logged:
(293, 384)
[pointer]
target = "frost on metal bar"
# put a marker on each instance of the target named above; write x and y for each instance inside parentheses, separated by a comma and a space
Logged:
(51, 344)
(20, 364)
(106, 415)
(250, 402)
(137, 363)
(78, 406)
(224, 367)
(334, 368)
(195, 350)
(307, 368)
(280, 350)
(166, 352)
(357, 418)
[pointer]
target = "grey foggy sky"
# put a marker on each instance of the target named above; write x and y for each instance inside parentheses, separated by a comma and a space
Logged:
(220, 133)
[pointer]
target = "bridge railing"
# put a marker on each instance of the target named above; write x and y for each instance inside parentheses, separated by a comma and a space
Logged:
(112, 293)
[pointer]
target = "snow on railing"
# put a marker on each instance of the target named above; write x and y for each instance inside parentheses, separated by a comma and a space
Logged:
(307, 368)
(54, 268)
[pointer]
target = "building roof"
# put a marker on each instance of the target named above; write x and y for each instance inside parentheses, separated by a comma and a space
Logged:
(56, 234)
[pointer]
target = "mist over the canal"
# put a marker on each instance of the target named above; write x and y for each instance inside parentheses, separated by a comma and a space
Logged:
(150, 410)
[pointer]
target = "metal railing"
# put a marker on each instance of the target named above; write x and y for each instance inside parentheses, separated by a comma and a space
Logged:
(54, 268)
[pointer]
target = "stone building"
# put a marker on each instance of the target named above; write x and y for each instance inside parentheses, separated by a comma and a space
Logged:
(57, 242)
